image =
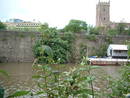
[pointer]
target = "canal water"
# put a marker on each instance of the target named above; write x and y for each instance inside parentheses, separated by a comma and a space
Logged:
(20, 76)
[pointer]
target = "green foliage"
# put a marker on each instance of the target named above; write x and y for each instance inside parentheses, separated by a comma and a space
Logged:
(2, 26)
(73, 83)
(44, 27)
(108, 39)
(93, 30)
(83, 51)
(69, 37)
(91, 37)
(43, 53)
(4, 73)
(120, 87)
(129, 50)
(121, 28)
(102, 50)
(128, 43)
(1, 92)
(60, 45)
(112, 32)
(18, 94)
(128, 31)
(21, 35)
(76, 26)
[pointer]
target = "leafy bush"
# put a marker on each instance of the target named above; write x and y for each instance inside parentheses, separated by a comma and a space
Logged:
(76, 26)
(2, 26)
(120, 87)
(112, 32)
(73, 83)
(102, 50)
(83, 51)
(91, 37)
(55, 84)
(121, 28)
(60, 45)
(108, 39)
(93, 30)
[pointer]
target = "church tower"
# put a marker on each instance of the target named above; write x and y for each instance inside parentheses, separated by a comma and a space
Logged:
(103, 13)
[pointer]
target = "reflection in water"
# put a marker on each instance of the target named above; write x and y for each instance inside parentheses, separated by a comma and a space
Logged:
(21, 75)
(21, 71)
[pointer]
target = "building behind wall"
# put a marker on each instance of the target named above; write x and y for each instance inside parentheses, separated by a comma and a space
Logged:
(103, 16)
(117, 51)
(20, 25)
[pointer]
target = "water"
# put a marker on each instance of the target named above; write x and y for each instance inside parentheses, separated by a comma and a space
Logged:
(21, 76)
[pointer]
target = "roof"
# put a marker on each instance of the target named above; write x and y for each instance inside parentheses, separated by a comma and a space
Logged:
(118, 47)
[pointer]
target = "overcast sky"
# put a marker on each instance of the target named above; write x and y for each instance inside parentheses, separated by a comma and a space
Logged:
(57, 13)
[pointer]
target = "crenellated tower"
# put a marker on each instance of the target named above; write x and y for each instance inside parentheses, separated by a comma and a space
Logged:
(103, 13)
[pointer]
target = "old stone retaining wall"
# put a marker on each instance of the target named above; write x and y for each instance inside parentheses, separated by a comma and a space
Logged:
(17, 46)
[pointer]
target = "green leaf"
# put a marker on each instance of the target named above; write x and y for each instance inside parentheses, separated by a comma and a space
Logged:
(18, 94)
(47, 50)
(4, 73)
(36, 76)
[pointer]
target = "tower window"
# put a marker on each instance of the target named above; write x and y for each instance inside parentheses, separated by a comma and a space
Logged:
(104, 18)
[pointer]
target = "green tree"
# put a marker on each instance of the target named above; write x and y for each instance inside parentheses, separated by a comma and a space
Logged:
(93, 30)
(121, 28)
(2, 26)
(128, 31)
(76, 26)
(112, 32)
(44, 27)
(60, 45)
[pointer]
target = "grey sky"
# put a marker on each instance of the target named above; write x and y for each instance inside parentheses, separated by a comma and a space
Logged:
(59, 12)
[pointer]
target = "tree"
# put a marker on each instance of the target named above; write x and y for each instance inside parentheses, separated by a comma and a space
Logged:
(112, 32)
(121, 28)
(93, 30)
(2, 26)
(76, 26)
(60, 46)
(44, 26)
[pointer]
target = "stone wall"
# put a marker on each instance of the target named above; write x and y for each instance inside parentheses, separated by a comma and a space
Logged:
(94, 46)
(17, 46)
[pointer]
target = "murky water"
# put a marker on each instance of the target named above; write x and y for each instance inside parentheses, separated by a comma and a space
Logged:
(21, 75)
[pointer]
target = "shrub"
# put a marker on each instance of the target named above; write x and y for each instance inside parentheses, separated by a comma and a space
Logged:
(83, 51)
(91, 37)
(120, 87)
(60, 45)
(2, 26)
(76, 26)
(93, 30)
